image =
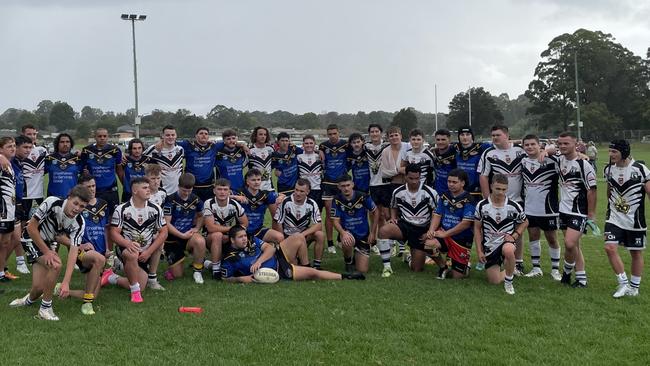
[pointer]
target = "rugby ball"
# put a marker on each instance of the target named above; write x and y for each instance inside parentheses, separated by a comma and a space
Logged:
(266, 275)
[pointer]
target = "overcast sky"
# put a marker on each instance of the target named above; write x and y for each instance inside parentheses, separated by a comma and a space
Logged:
(295, 55)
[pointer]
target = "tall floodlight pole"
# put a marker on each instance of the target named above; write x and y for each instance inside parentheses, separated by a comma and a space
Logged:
(435, 93)
(132, 18)
(469, 98)
(575, 62)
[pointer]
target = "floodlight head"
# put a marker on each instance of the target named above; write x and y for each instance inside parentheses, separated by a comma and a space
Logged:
(142, 17)
(125, 16)
(132, 16)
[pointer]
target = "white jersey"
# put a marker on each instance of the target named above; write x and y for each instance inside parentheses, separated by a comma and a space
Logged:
(310, 167)
(33, 168)
(140, 225)
(159, 197)
(506, 162)
(260, 158)
(415, 208)
(424, 159)
(228, 215)
(296, 218)
(8, 195)
(577, 176)
(171, 162)
(540, 186)
(626, 203)
(374, 161)
(496, 222)
(52, 221)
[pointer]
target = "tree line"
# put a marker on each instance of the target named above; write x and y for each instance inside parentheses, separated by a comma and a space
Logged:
(613, 87)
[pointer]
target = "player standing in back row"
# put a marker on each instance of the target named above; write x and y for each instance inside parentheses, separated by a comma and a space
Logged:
(628, 181)
(333, 154)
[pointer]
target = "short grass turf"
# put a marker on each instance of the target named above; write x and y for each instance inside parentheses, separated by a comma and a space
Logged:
(406, 319)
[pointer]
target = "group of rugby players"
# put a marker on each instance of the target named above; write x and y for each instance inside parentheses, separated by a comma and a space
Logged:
(195, 196)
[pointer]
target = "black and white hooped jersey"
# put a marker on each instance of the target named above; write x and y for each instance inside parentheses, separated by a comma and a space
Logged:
(260, 158)
(52, 221)
(310, 167)
(424, 159)
(228, 215)
(415, 208)
(496, 222)
(171, 163)
(8, 195)
(374, 161)
(296, 218)
(33, 168)
(577, 176)
(506, 162)
(540, 186)
(626, 204)
(140, 225)
(158, 198)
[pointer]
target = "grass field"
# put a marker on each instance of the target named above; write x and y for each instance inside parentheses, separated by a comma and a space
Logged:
(406, 319)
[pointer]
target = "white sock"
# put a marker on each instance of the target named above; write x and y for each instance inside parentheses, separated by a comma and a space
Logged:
(135, 287)
(20, 260)
(554, 253)
(112, 279)
(384, 251)
(635, 281)
(216, 266)
(535, 252)
(622, 278)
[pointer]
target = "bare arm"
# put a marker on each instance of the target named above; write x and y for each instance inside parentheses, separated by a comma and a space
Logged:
(484, 180)
(119, 170)
(478, 239)
(374, 226)
(268, 251)
(171, 229)
(591, 203)
(119, 239)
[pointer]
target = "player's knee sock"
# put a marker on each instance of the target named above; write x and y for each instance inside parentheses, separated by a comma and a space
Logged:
(402, 246)
(89, 298)
(20, 260)
(568, 267)
(330, 243)
(581, 276)
(535, 252)
(508, 279)
(29, 301)
(2, 274)
(384, 251)
(135, 287)
(112, 279)
(197, 267)
(554, 253)
(46, 304)
(635, 282)
(622, 278)
(519, 263)
(317, 263)
(348, 260)
(151, 277)
(216, 267)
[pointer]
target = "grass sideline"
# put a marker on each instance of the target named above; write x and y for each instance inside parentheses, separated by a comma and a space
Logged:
(406, 319)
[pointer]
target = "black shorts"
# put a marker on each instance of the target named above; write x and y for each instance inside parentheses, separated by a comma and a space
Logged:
(175, 249)
(22, 215)
(361, 245)
(381, 195)
(285, 268)
(495, 258)
(286, 190)
(544, 223)
(111, 198)
(144, 266)
(577, 223)
(31, 249)
(28, 205)
(630, 239)
(7, 227)
(413, 234)
(204, 191)
(317, 195)
(259, 233)
(330, 190)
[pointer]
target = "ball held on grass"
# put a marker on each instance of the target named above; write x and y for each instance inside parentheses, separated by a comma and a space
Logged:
(266, 275)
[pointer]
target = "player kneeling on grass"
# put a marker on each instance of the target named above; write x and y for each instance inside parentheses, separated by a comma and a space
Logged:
(300, 215)
(628, 181)
(55, 220)
(92, 251)
(350, 211)
(184, 215)
(498, 223)
(139, 229)
(453, 223)
(247, 256)
(221, 213)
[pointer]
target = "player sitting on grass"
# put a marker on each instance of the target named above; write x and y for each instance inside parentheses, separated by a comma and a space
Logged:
(247, 257)
(184, 215)
(91, 258)
(54, 221)
(499, 222)
(350, 211)
(139, 229)
(221, 213)
(300, 215)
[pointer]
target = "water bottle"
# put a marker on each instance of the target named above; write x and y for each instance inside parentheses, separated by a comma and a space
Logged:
(479, 266)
